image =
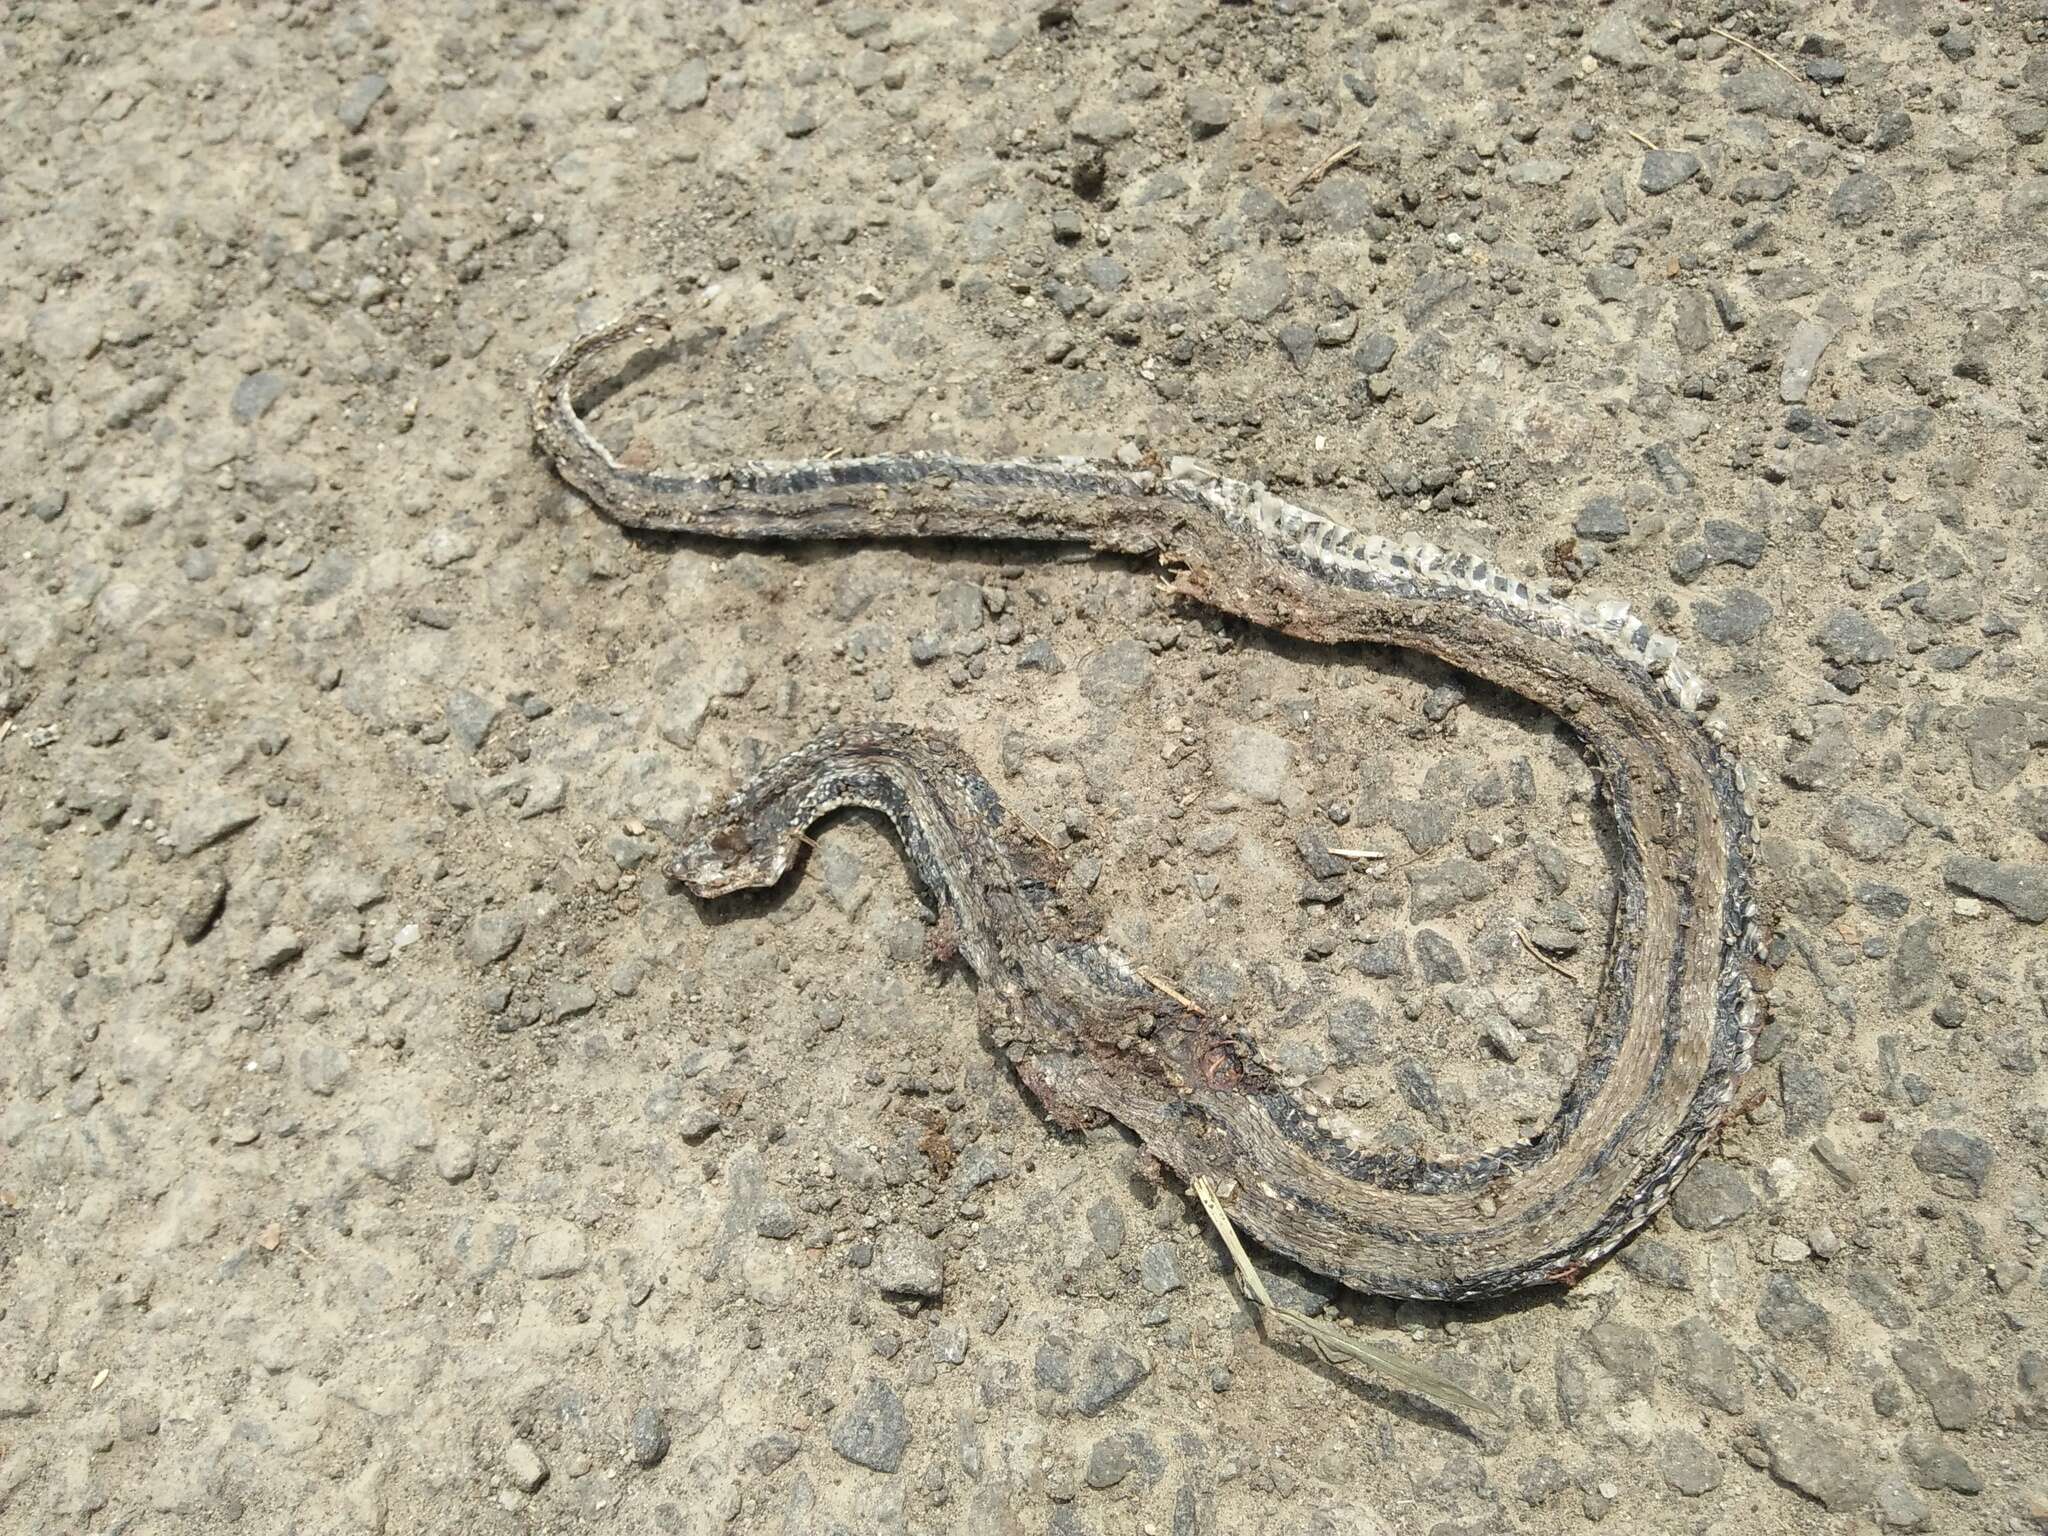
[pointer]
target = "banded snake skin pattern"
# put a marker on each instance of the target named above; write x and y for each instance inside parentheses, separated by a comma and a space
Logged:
(1089, 1034)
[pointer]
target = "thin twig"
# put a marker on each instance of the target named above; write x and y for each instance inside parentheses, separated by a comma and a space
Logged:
(1326, 1341)
(1545, 959)
(1743, 42)
(1354, 853)
(1326, 165)
(1186, 1002)
(1640, 139)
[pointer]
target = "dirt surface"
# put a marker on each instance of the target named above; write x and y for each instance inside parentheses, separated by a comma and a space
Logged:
(386, 1145)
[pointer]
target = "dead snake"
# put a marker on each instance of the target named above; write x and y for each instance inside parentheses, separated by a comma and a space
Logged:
(1089, 1033)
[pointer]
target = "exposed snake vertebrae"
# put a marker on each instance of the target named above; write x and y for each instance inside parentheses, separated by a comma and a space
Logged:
(1091, 1035)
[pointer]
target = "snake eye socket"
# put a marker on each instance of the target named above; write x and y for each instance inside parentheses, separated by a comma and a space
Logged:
(732, 840)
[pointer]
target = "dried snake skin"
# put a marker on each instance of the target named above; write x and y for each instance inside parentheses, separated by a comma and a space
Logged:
(1090, 1035)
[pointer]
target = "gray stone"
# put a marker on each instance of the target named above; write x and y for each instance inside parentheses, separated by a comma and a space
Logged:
(1810, 338)
(1709, 1367)
(568, 1000)
(2028, 124)
(771, 1453)
(1109, 1462)
(1438, 957)
(1730, 543)
(1998, 737)
(1158, 1271)
(556, 1252)
(277, 947)
(257, 393)
(910, 1264)
(1913, 971)
(1538, 173)
(1763, 187)
(873, 1430)
(1627, 1354)
(1375, 352)
(1659, 1263)
(454, 1158)
(1256, 763)
(356, 102)
(1106, 1225)
(1762, 89)
(1602, 519)
(524, 1466)
(1051, 1370)
(1937, 1464)
(1803, 1093)
(201, 826)
(1112, 1373)
(1903, 429)
(1860, 198)
(1951, 1394)
(1738, 619)
(1847, 636)
(775, 1221)
(1822, 763)
(1552, 938)
(1112, 675)
(1714, 1195)
(1664, 169)
(1787, 1312)
(1102, 125)
(1806, 1455)
(323, 1068)
(1298, 1290)
(1260, 290)
(648, 1436)
(1687, 1464)
(1957, 1161)
(689, 85)
(1418, 1090)
(1447, 886)
(2022, 889)
(1426, 825)
(1209, 112)
(1442, 699)
(470, 718)
(64, 333)
(1862, 828)
(492, 936)
(1614, 41)
(202, 907)
(1899, 1508)
(1886, 901)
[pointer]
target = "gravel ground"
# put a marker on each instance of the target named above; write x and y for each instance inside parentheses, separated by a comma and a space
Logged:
(385, 1145)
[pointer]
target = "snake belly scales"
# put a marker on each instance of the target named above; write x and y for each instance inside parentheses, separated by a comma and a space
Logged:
(1092, 1036)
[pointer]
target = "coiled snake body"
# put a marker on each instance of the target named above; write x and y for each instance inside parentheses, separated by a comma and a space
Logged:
(1090, 1035)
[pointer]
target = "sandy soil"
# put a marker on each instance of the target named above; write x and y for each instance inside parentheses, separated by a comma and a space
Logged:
(385, 1145)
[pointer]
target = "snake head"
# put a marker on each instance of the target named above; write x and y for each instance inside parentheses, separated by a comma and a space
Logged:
(724, 857)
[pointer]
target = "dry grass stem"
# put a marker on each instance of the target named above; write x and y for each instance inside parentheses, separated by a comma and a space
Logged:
(1327, 164)
(1186, 1002)
(1543, 959)
(1330, 1345)
(1743, 42)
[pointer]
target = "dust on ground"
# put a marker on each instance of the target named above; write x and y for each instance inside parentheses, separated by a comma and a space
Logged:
(386, 1145)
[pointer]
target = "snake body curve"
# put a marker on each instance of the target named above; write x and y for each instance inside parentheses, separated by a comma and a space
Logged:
(1091, 1035)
